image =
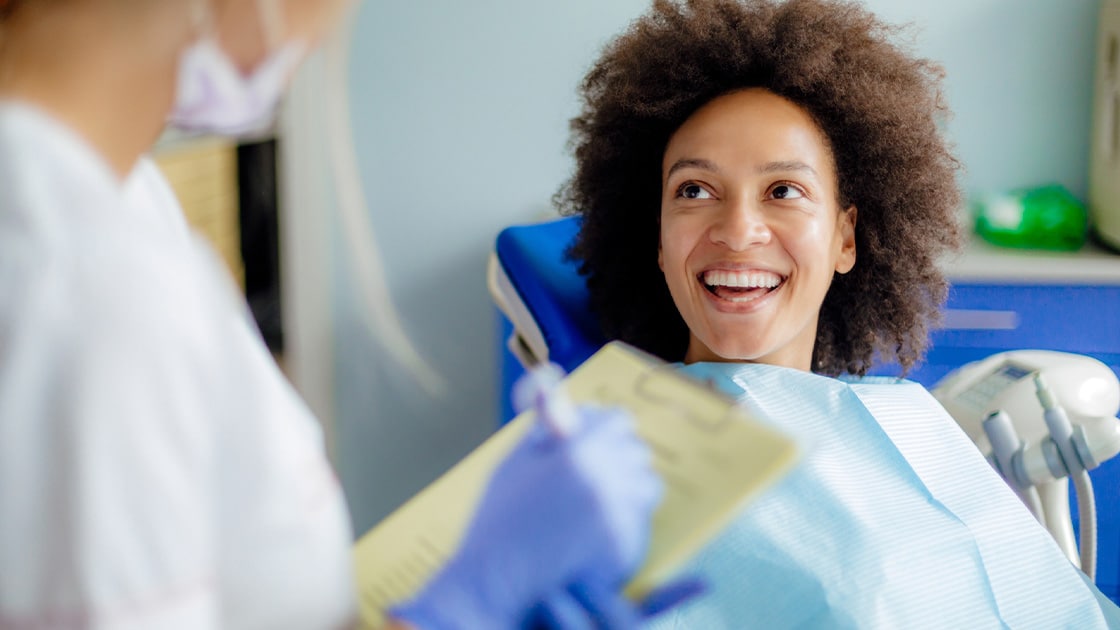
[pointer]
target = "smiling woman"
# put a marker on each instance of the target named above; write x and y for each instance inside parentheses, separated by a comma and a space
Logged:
(859, 133)
(765, 193)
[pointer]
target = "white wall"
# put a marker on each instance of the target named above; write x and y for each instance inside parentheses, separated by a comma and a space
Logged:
(461, 122)
(1020, 80)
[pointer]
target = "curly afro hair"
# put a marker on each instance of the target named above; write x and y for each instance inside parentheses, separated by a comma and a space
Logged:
(6, 8)
(879, 108)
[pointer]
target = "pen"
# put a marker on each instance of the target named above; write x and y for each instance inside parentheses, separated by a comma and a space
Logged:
(542, 389)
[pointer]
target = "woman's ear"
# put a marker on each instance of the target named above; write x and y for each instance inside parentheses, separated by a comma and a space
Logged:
(846, 227)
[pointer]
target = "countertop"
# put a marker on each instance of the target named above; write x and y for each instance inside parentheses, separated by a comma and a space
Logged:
(982, 262)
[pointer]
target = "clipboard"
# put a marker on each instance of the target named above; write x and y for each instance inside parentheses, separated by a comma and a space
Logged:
(712, 456)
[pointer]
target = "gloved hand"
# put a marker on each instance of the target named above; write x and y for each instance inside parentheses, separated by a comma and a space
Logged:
(593, 607)
(563, 510)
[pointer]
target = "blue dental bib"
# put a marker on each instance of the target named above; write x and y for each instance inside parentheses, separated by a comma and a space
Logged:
(892, 520)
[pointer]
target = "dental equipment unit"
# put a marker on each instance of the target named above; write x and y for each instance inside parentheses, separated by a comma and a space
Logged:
(1041, 417)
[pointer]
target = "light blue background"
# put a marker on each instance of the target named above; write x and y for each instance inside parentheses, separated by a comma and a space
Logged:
(461, 113)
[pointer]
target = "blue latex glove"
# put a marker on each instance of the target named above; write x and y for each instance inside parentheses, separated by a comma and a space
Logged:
(565, 509)
(588, 606)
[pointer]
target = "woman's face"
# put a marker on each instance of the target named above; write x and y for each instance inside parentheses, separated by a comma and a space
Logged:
(751, 230)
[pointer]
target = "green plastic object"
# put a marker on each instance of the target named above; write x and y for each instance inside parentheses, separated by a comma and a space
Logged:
(1048, 217)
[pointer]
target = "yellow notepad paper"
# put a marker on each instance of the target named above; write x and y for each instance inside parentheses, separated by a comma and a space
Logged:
(710, 454)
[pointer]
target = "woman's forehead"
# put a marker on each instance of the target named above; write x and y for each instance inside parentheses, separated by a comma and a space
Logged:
(752, 128)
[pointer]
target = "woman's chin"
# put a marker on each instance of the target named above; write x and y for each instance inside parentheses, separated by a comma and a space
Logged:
(732, 350)
(728, 352)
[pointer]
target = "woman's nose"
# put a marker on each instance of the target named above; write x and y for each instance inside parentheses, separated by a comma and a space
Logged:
(741, 224)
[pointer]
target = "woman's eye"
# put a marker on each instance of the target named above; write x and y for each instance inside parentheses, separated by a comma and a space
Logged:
(785, 191)
(693, 191)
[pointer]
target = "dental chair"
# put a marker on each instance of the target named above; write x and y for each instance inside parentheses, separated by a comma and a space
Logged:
(543, 300)
(545, 317)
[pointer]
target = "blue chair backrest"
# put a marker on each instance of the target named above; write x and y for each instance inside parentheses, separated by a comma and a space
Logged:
(534, 259)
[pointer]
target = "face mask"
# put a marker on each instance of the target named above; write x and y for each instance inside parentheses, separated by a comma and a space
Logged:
(213, 96)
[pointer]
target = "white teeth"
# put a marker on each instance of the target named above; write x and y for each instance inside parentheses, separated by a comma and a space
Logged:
(742, 279)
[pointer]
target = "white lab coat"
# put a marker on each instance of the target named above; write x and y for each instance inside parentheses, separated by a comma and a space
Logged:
(156, 469)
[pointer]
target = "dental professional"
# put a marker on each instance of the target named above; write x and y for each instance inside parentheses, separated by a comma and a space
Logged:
(156, 469)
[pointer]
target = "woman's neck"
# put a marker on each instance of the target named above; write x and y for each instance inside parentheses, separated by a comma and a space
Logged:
(108, 77)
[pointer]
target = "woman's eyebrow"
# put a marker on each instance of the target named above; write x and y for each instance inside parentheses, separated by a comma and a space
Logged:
(769, 167)
(786, 166)
(700, 163)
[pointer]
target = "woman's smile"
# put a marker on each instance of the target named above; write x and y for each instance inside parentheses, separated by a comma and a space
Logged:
(739, 291)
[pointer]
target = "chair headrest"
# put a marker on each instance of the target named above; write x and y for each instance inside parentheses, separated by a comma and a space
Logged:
(534, 259)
